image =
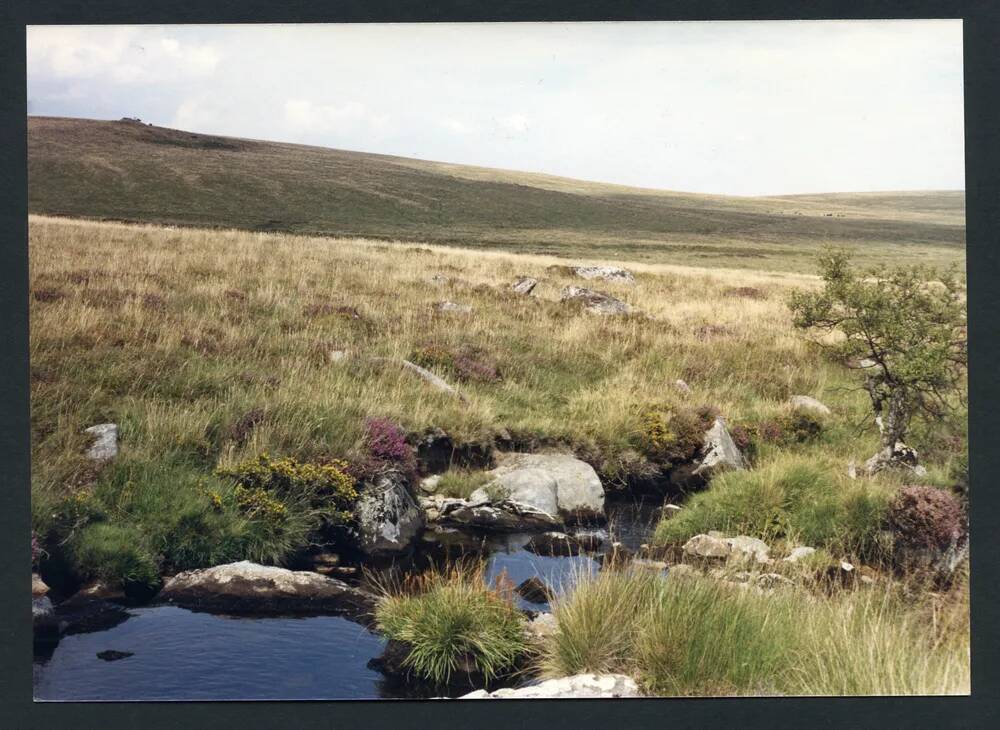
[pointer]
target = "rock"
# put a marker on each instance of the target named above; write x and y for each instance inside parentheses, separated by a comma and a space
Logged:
(707, 546)
(898, 456)
(524, 285)
(38, 587)
(719, 452)
(595, 301)
(657, 566)
(669, 510)
(579, 495)
(605, 273)
(534, 487)
(437, 382)
(111, 655)
(590, 540)
(337, 356)
(503, 516)
(325, 563)
(453, 307)
(799, 553)
(105, 446)
(542, 626)
(579, 685)
(429, 485)
(388, 518)
(744, 547)
(555, 544)
(682, 387)
(44, 623)
(805, 403)
(769, 581)
(535, 590)
(852, 470)
(247, 587)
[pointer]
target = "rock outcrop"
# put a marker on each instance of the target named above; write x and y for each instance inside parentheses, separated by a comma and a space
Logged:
(105, 446)
(247, 587)
(388, 518)
(605, 273)
(579, 685)
(594, 301)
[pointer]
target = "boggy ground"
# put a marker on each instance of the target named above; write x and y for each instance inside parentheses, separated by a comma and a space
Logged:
(211, 347)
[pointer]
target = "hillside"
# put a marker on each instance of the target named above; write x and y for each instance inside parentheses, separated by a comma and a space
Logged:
(131, 171)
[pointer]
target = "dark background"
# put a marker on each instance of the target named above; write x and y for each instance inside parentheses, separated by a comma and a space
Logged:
(982, 134)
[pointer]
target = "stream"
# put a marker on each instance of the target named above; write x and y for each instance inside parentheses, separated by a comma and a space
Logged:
(177, 654)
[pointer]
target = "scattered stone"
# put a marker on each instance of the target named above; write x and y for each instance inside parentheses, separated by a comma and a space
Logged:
(682, 387)
(111, 655)
(590, 540)
(453, 307)
(799, 553)
(680, 570)
(579, 685)
(605, 273)
(769, 581)
(555, 544)
(105, 446)
(535, 590)
(38, 587)
(337, 356)
(898, 456)
(805, 403)
(657, 566)
(388, 518)
(524, 285)
(707, 546)
(852, 470)
(437, 382)
(246, 587)
(595, 301)
(429, 485)
(745, 548)
(542, 626)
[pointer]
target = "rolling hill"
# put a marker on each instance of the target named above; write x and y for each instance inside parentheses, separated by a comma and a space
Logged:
(126, 170)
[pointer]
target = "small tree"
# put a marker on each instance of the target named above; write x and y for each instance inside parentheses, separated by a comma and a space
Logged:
(905, 328)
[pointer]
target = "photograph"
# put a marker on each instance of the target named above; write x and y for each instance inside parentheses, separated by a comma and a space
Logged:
(496, 360)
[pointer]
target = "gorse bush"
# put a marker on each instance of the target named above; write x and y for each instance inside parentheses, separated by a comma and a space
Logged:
(453, 622)
(795, 498)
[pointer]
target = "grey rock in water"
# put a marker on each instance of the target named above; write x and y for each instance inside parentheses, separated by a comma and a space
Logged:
(535, 590)
(806, 403)
(502, 516)
(594, 301)
(246, 587)
(578, 686)
(554, 544)
(575, 486)
(524, 285)
(388, 518)
(105, 446)
(605, 273)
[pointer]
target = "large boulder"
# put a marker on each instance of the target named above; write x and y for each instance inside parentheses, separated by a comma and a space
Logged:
(105, 445)
(605, 273)
(388, 518)
(545, 481)
(579, 685)
(594, 301)
(718, 452)
(247, 587)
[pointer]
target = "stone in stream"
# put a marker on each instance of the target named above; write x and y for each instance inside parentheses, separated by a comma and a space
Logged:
(557, 483)
(501, 516)
(112, 655)
(246, 587)
(524, 285)
(554, 544)
(388, 518)
(579, 685)
(105, 446)
(535, 590)
(594, 301)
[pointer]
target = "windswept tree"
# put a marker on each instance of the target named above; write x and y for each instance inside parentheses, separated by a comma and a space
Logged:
(905, 329)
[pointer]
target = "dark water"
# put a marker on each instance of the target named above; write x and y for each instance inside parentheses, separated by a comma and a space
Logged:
(184, 655)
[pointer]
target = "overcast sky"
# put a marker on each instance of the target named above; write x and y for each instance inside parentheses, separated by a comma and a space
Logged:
(748, 108)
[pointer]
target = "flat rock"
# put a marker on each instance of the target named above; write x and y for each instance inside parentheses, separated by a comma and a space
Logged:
(105, 446)
(605, 273)
(503, 516)
(577, 686)
(246, 587)
(806, 403)
(594, 301)
(437, 382)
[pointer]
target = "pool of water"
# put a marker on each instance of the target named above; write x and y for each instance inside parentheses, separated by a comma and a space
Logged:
(184, 655)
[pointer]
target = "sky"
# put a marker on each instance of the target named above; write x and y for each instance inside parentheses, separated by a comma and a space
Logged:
(740, 108)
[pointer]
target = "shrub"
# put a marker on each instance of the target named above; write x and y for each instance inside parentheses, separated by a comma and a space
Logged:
(453, 621)
(673, 435)
(794, 498)
(926, 517)
(117, 554)
(467, 363)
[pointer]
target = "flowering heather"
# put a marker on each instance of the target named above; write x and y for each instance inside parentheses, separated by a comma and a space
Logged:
(386, 442)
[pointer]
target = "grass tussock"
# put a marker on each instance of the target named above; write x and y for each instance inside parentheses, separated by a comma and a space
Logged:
(453, 622)
(699, 636)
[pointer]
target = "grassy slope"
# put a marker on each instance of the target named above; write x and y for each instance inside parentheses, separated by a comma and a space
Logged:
(130, 171)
